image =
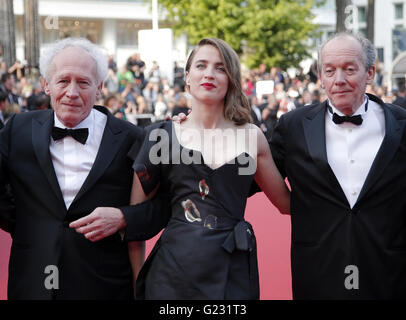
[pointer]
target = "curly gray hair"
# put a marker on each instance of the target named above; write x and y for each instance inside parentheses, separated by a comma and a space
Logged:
(46, 58)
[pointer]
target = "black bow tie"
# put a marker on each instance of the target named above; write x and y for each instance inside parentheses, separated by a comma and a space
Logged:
(79, 135)
(357, 120)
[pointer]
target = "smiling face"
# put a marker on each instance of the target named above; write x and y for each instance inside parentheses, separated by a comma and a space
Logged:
(343, 73)
(73, 86)
(207, 78)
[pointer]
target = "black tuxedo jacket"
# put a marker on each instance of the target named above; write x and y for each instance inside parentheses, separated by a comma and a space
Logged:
(39, 220)
(327, 235)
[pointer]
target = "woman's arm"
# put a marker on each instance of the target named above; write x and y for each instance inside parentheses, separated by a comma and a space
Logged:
(268, 177)
(136, 249)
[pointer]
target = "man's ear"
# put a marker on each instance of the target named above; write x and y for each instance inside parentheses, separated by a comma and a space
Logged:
(99, 90)
(371, 74)
(46, 88)
(321, 80)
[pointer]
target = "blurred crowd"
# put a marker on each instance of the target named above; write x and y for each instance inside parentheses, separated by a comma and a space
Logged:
(143, 96)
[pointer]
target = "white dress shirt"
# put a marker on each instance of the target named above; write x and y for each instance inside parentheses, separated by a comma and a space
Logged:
(2, 117)
(351, 149)
(72, 160)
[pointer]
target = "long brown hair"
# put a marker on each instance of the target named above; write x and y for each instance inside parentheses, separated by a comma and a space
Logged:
(236, 105)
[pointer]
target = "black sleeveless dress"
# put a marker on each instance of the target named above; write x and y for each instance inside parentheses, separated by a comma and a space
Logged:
(208, 250)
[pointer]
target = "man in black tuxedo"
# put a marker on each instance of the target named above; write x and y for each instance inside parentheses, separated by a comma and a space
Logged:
(345, 162)
(61, 164)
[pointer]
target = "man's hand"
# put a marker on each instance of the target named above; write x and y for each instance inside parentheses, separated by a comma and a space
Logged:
(180, 117)
(101, 223)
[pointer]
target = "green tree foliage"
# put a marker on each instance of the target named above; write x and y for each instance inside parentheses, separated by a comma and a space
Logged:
(274, 32)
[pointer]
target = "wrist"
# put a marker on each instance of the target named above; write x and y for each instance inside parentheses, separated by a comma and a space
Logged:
(123, 222)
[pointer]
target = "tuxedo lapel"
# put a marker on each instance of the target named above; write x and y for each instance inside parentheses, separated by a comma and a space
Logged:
(386, 152)
(41, 135)
(113, 136)
(314, 131)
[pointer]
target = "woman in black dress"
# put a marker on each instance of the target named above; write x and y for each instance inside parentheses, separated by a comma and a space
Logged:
(207, 164)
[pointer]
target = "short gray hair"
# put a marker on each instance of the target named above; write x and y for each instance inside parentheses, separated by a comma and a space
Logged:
(50, 52)
(368, 48)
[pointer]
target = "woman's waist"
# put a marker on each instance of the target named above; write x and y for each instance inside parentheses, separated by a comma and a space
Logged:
(194, 211)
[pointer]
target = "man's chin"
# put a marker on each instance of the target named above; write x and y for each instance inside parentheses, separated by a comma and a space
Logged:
(70, 122)
(342, 103)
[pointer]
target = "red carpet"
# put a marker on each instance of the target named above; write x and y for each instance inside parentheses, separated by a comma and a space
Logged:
(5, 242)
(273, 239)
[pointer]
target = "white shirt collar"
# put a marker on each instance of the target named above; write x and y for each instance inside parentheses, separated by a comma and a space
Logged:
(85, 123)
(360, 110)
(88, 122)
